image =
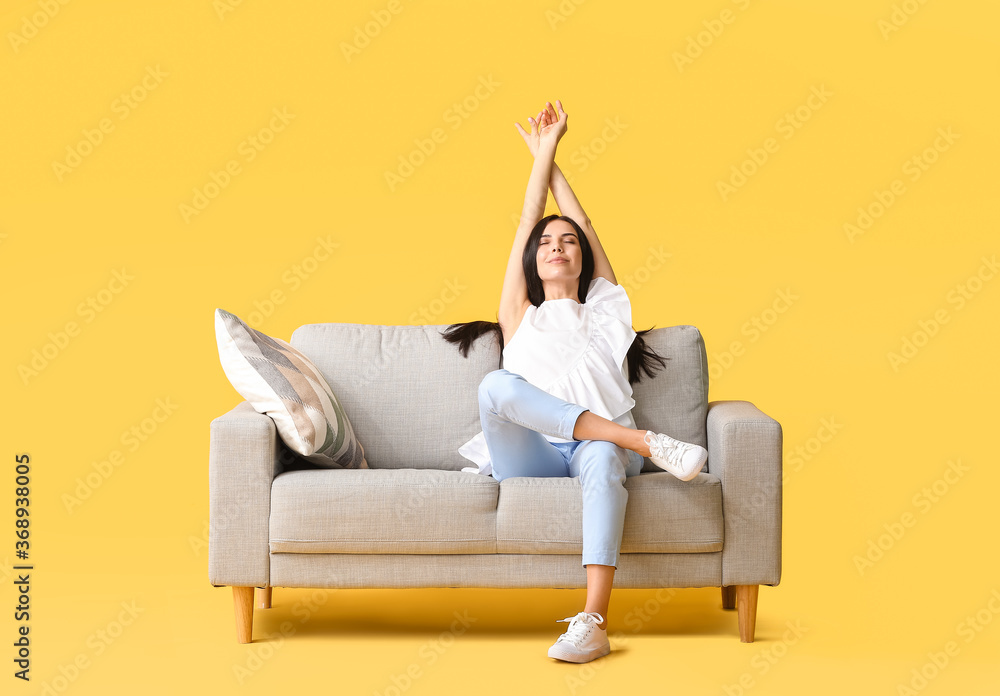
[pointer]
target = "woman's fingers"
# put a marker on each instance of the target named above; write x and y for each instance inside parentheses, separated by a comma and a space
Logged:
(563, 118)
(553, 118)
(546, 118)
(552, 112)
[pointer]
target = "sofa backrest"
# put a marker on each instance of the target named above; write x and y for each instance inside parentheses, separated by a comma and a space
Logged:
(412, 398)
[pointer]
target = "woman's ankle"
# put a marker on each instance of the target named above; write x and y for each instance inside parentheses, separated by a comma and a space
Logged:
(604, 624)
(640, 443)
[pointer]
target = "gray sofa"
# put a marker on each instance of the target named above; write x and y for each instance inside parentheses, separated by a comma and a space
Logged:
(414, 519)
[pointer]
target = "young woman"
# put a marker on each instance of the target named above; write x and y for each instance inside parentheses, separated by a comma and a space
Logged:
(562, 404)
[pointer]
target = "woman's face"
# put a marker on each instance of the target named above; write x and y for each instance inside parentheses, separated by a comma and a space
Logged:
(559, 257)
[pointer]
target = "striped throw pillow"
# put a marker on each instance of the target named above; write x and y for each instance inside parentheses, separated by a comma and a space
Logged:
(281, 382)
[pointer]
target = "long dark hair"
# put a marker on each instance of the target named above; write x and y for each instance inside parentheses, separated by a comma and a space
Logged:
(639, 357)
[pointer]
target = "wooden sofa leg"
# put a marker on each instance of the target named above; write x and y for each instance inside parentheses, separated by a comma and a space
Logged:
(265, 598)
(729, 597)
(243, 602)
(746, 611)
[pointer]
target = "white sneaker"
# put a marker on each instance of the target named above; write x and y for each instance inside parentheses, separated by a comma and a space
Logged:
(583, 641)
(682, 459)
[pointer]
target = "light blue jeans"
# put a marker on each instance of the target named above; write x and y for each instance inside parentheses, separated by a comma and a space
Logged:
(515, 414)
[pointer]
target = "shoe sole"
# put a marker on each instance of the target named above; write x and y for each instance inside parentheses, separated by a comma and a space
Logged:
(560, 654)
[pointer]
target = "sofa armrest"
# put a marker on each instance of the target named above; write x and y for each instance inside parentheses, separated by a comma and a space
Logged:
(245, 454)
(744, 451)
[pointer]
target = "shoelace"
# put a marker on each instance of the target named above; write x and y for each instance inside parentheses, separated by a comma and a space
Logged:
(670, 450)
(579, 627)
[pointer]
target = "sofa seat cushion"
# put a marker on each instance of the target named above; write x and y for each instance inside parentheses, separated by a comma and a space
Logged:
(383, 511)
(663, 515)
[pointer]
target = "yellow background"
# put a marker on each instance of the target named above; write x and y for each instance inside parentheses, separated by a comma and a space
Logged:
(652, 184)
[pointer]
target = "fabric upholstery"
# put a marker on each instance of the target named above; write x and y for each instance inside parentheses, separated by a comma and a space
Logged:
(411, 395)
(675, 401)
(383, 511)
(635, 570)
(662, 515)
(245, 454)
(434, 511)
(744, 451)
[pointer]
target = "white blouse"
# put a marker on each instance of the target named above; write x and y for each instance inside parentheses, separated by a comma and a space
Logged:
(573, 351)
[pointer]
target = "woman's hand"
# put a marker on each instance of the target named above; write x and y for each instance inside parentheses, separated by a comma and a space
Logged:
(530, 137)
(547, 124)
(552, 127)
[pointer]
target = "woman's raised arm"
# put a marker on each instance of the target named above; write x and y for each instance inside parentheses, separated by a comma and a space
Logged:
(514, 294)
(567, 200)
(570, 207)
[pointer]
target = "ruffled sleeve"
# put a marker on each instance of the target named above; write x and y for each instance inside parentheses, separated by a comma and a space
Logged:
(612, 311)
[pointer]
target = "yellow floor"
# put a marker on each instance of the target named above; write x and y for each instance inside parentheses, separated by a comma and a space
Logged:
(155, 633)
